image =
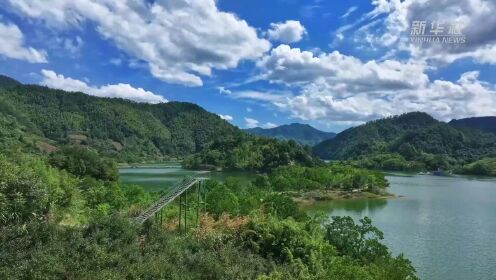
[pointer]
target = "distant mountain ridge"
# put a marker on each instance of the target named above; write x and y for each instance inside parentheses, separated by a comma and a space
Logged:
(36, 119)
(410, 135)
(487, 124)
(301, 133)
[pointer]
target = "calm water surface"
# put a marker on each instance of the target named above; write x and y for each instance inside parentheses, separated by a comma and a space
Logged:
(445, 225)
(163, 176)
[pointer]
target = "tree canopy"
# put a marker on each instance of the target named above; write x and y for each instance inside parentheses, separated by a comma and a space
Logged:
(412, 141)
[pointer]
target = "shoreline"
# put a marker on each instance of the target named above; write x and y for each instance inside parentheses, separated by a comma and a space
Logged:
(312, 197)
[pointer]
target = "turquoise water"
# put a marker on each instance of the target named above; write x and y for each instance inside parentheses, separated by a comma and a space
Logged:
(445, 225)
(154, 177)
(161, 177)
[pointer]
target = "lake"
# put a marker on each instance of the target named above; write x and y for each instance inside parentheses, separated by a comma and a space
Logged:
(445, 225)
(159, 177)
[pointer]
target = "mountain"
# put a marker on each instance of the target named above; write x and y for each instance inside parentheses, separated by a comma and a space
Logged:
(301, 133)
(115, 127)
(487, 124)
(34, 118)
(371, 137)
(413, 136)
(7, 82)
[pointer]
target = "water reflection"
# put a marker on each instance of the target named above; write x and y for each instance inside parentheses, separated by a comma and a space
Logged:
(444, 225)
(358, 207)
(161, 177)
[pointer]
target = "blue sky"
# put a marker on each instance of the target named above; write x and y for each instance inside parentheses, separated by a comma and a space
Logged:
(332, 64)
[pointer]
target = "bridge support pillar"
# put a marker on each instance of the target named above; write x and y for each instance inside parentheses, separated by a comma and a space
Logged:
(198, 186)
(185, 211)
(180, 211)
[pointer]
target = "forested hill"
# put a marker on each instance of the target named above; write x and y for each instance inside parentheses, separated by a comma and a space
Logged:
(411, 135)
(487, 124)
(7, 82)
(301, 133)
(48, 118)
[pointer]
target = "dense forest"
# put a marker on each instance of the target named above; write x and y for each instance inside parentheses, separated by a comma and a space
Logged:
(118, 128)
(329, 176)
(487, 124)
(412, 141)
(486, 167)
(66, 216)
(246, 152)
(301, 133)
(39, 118)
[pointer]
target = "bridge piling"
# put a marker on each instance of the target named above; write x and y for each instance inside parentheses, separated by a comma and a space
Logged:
(180, 190)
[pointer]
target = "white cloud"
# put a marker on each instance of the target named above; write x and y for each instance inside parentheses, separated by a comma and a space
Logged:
(290, 31)
(345, 73)
(126, 91)
(12, 45)
(180, 40)
(475, 16)
(251, 123)
(337, 88)
(116, 61)
(226, 117)
(349, 11)
(269, 125)
(444, 100)
(223, 90)
(73, 46)
(258, 95)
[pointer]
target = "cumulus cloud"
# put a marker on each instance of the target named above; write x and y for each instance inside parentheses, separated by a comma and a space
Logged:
(333, 87)
(180, 40)
(125, 91)
(444, 100)
(251, 123)
(12, 45)
(476, 18)
(344, 73)
(226, 117)
(291, 31)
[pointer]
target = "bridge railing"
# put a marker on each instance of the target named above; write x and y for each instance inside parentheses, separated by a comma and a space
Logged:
(166, 199)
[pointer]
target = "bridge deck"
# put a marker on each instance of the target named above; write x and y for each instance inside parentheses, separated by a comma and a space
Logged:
(168, 198)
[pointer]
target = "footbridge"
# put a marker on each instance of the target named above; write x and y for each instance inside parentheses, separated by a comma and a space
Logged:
(180, 190)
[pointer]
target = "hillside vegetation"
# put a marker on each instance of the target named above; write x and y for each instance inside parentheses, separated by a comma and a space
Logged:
(61, 220)
(487, 124)
(34, 118)
(64, 214)
(7, 82)
(412, 141)
(301, 133)
(118, 128)
(245, 152)
(486, 167)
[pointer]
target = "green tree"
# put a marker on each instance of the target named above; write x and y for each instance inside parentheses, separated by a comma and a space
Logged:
(82, 161)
